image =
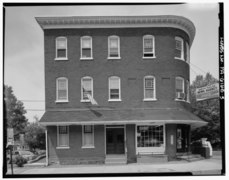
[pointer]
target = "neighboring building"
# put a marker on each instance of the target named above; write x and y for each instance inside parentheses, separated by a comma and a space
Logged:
(117, 87)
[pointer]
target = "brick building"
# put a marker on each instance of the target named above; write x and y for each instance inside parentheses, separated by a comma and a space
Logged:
(117, 88)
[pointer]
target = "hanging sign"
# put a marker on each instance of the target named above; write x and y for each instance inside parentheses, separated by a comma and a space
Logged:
(207, 92)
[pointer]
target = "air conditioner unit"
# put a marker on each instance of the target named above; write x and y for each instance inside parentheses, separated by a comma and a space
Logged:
(180, 95)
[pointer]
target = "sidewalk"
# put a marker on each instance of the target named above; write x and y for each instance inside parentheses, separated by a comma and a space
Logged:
(202, 167)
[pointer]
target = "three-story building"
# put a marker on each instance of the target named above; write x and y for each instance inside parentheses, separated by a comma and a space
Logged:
(117, 87)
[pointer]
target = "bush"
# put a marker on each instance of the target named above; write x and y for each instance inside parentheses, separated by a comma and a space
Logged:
(20, 161)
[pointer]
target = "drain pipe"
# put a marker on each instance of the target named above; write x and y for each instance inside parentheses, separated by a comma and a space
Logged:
(46, 144)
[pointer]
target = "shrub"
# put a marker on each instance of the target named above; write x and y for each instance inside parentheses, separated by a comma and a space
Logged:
(20, 161)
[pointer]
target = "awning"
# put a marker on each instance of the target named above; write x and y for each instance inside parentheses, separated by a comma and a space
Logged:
(120, 116)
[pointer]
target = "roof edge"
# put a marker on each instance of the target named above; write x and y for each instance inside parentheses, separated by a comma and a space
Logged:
(66, 22)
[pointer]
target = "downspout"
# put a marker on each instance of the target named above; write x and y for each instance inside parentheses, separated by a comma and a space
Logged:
(46, 141)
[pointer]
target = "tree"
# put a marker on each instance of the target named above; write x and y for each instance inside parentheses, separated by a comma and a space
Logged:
(208, 110)
(35, 135)
(15, 112)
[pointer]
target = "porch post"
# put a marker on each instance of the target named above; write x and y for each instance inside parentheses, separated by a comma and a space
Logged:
(46, 141)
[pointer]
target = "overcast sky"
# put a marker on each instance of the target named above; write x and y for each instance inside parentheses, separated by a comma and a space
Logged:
(24, 48)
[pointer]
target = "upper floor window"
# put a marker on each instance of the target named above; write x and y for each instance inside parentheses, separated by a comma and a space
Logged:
(86, 47)
(180, 94)
(187, 53)
(88, 136)
(61, 48)
(148, 46)
(179, 50)
(187, 91)
(114, 89)
(62, 89)
(86, 88)
(62, 136)
(149, 88)
(113, 47)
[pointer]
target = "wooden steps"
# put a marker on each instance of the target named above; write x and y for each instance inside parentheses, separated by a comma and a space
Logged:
(116, 159)
(152, 158)
(190, 157)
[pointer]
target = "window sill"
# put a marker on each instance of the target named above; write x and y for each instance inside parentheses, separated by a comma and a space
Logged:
(61, 59)
(149, 99)
(61, 101)
(110, 58)
(83, 100)
(64, 147)
(153, 57)
(86, 59)
(182, 59)
(88, 147)
(182, 100)
(114, 100)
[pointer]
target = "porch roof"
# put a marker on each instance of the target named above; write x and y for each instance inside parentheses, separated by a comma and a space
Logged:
(120, 116)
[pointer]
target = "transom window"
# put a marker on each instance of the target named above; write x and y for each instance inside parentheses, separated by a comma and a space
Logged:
(88, 136)
(86, 88)
(150, 136)
(86, 47)
(114, 88)
(179, 49)
(180, 88)
(62, 89)
(149, 88)
(61, 48)
(62, 136)
(148, 46)
(113, 47)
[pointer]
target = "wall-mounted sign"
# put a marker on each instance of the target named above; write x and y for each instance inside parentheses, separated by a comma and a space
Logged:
(207, 92)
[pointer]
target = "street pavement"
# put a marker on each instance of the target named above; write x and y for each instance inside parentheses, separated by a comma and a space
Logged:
(212, 166)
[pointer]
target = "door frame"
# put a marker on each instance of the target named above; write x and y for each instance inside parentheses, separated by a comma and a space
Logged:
(113, 127)
(185, 132)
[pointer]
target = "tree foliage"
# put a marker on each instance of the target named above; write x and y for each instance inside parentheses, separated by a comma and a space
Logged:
(208, 110)
(15, 112)
(35, 135)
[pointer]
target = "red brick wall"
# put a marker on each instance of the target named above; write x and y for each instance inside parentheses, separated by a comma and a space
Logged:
(131, 68)
(75, 154)
(131, 143)
(171, 149)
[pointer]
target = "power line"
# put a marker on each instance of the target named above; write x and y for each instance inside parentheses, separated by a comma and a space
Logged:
(198, 68)
(35, 109)
(32, 100)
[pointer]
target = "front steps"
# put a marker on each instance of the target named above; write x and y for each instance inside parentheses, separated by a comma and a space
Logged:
(116, 159)
(152, 158)
(190, 157)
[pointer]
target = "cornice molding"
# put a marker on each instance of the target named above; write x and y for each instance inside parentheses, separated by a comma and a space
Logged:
(79, 22)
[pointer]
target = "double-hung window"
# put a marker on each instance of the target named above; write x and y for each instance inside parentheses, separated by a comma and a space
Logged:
(187, 91)
(187, 53)
(86, 47)
(149, 88)
(88, 136)
(62, 136)
(113, 47)
(148, 46)
(180, 84)
(61, 48)
(62, 89)
(86, 88)
(179, 48)
(114, 89)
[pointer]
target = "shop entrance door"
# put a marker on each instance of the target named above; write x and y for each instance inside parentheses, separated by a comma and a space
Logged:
(182, 138)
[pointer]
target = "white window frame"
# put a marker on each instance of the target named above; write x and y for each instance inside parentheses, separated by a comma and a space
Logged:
(187, 91)
(92, 91)
(81, 48)
(118, 38)
(109, 99)
(57, 95)
(182, 47)
(187, 53)
(93, 137)
(150, 150)
(153, 40)
(61, 58)
(58, 142)
(149, 99)
(183, 88)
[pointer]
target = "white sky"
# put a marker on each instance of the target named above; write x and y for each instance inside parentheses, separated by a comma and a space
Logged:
(24, 50)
